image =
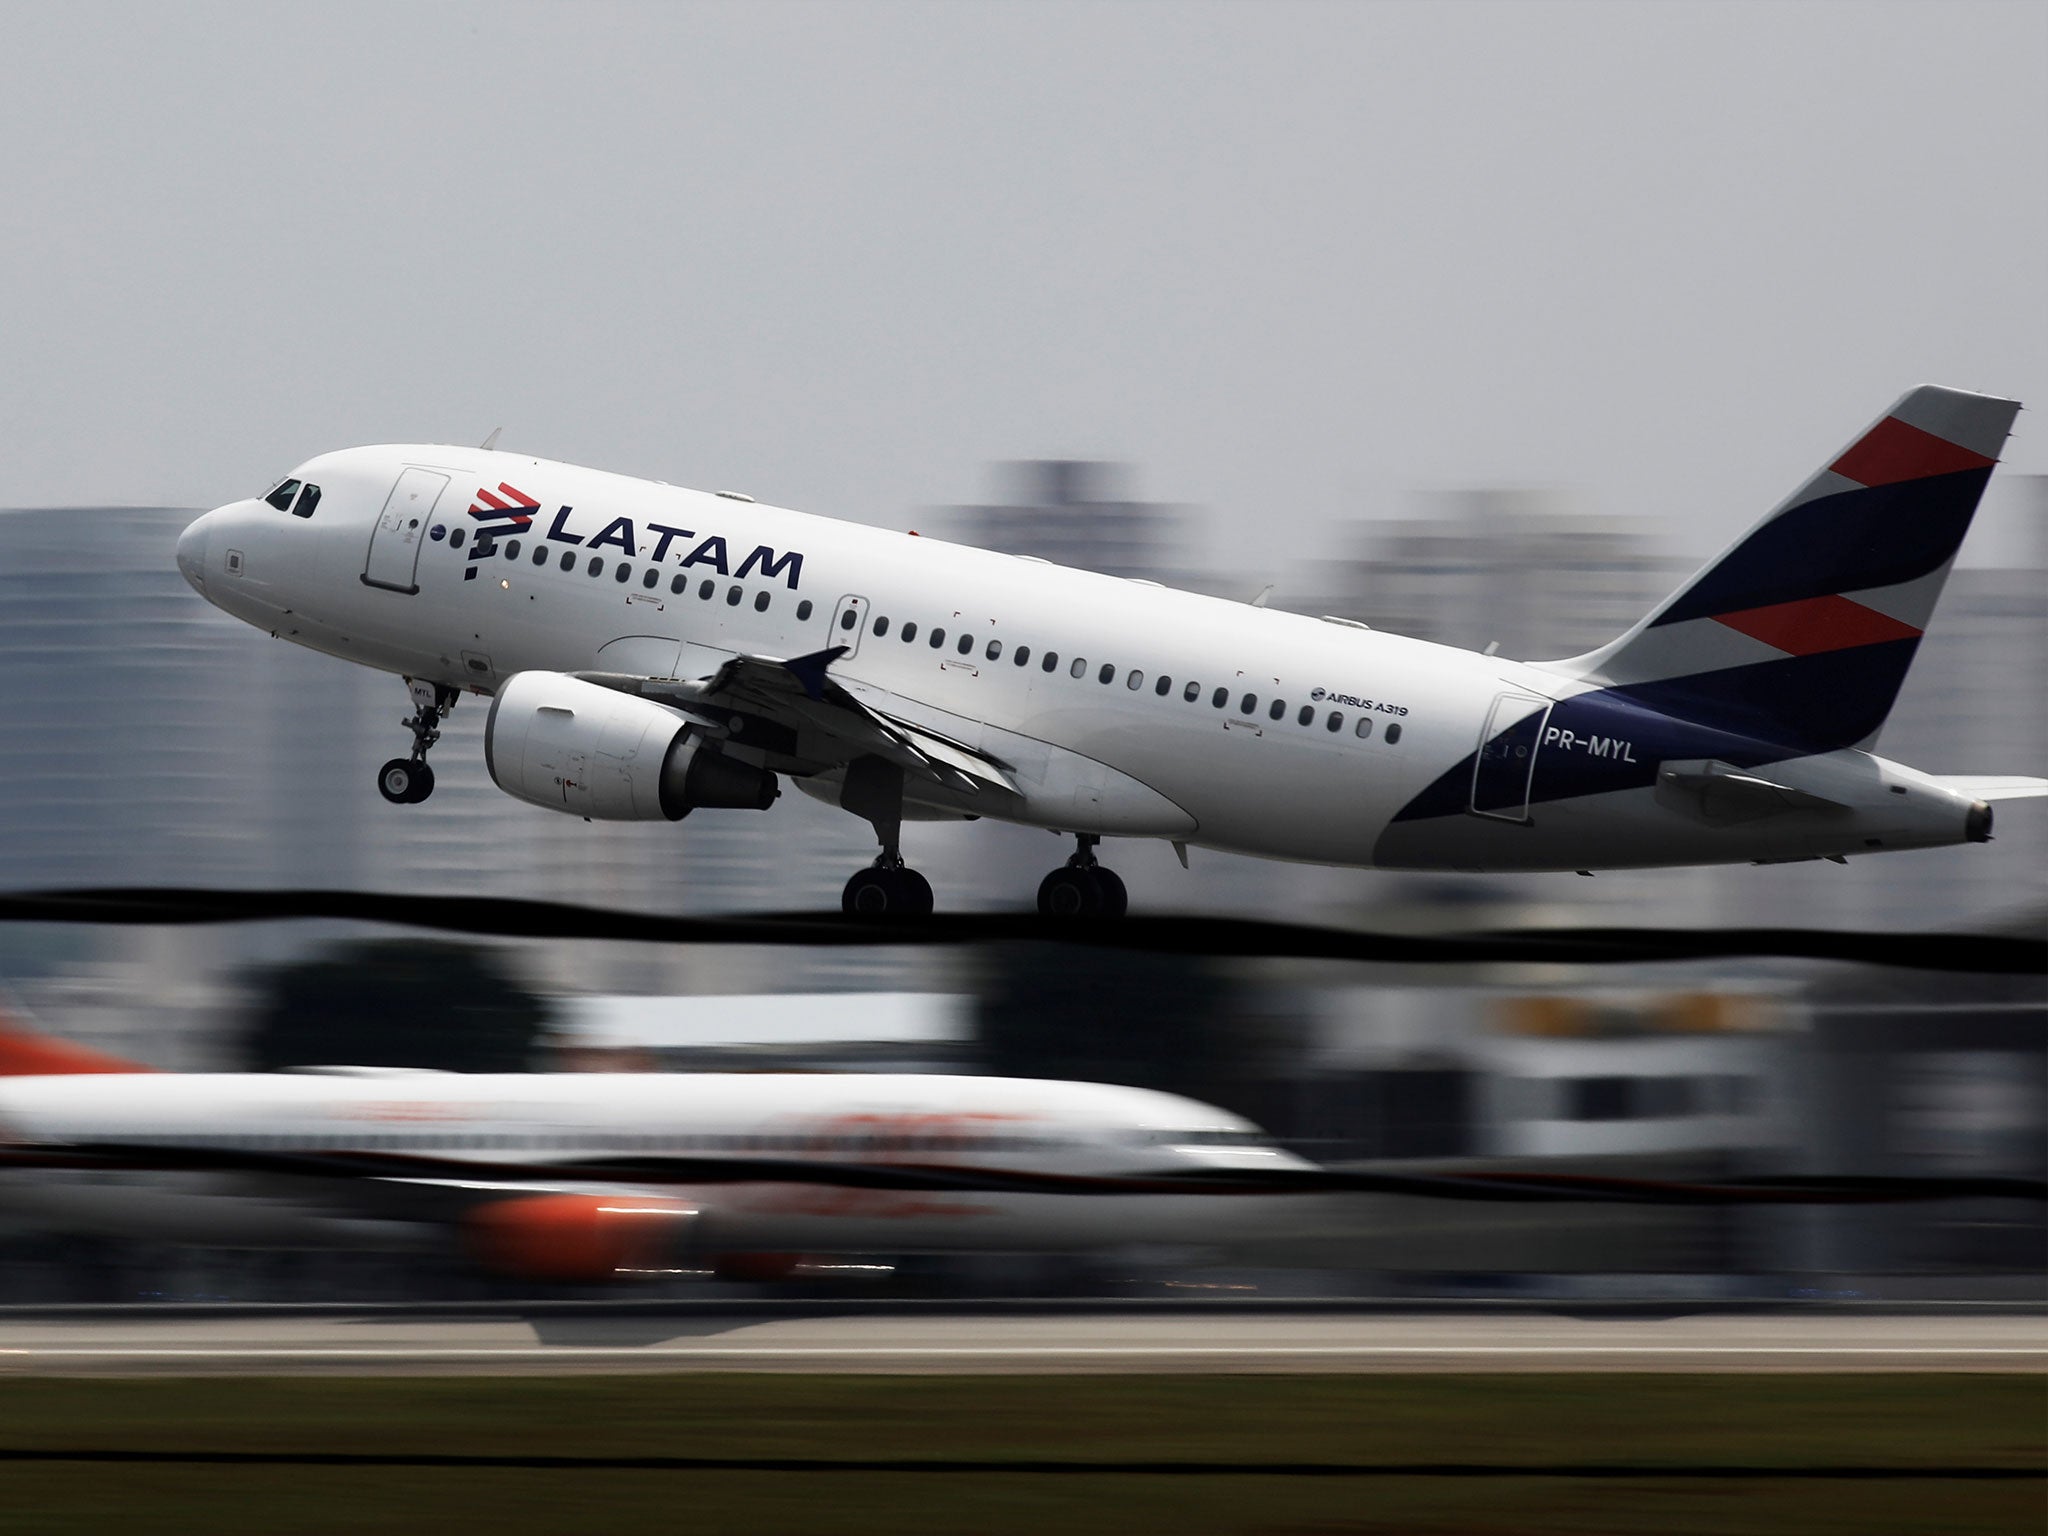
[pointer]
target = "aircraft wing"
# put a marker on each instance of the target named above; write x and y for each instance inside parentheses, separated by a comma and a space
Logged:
(795, 713)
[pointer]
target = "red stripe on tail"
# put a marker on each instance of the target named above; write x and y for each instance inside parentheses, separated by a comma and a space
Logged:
(1893, 451)
(1816, 624)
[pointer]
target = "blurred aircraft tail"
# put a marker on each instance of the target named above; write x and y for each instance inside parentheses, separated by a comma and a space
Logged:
(25, 1054)
(1802, 631)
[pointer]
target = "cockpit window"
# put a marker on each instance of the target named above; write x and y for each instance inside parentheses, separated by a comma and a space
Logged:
(281, 498)
(309, 498)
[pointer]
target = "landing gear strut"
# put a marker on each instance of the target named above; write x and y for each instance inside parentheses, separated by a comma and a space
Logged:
(888, 888)
(408, 780)
(1083, 888)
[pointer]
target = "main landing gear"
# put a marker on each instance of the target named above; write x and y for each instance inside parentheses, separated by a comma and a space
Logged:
(408, 780)
(888, 888)
(1083, 888)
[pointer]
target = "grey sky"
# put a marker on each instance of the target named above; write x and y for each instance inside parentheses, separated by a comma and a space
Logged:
(1293, 261)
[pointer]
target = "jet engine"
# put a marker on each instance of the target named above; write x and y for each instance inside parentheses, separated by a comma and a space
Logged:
(579, 1239)
(559, 742)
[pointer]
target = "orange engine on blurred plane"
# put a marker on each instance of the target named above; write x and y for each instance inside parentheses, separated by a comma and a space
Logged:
(579, 1238)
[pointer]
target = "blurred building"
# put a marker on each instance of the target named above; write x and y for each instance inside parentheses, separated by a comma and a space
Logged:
(1067, 511)
(1521, 570)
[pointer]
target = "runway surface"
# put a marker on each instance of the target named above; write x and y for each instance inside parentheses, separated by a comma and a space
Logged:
(369, 1343)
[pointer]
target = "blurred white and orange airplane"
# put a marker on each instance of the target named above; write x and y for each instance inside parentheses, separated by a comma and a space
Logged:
(650, 651)
(586, 1177)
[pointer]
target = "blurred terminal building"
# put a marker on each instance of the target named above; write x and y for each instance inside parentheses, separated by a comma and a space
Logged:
(154, 741)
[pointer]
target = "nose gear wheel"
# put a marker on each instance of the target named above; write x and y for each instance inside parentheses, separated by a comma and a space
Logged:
(408, 780)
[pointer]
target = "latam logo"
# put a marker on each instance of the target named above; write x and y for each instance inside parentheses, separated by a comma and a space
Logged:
(509, 510)
(508, 504)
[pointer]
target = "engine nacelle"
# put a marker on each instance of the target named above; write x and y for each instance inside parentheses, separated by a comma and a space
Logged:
(582, 1239)
(559, 742)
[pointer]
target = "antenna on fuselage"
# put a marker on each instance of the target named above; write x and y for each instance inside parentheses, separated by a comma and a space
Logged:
(1264, 592)
(492, 441)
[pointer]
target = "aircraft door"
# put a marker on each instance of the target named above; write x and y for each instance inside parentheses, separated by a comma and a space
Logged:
(1507, 756)
(401, 530)
(849, 623)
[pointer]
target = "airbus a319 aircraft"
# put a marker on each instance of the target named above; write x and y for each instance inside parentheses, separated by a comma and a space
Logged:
(589, 1176)
(650, 651)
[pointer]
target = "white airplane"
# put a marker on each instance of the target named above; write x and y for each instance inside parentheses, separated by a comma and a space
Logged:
(584, 1176)
(650, 651)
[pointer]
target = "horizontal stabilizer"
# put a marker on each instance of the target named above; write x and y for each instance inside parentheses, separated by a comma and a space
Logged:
(1719, 792)
(2011, 786)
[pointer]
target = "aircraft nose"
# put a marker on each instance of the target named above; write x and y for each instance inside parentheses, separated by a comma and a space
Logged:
(192, 553)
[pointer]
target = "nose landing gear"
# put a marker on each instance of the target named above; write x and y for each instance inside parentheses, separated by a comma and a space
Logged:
(1083, 888)
(408, 780)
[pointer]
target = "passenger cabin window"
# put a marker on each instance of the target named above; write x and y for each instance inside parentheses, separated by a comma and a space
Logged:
(1022, 655)
(1051, 662)
(761, 602)
(1107, 675)
(652, 579)
(1078, 669)
(909, 630)
(995, 650)
(569, 560)
(678, 584)
(309, 498)
(1248, 705)
(803, 610)
(938, 638)
(1192, 692)
(1220, 697)
(1393, 732)
(881, 624)
(705, 589)
(1279, 708)
(1364, 727)
(281, 498)
(511, 549)
(966, 644)
(1163, 687)
(732, 597)
(540, 554)
(624, 573)
(596, 566)
(1307, 715)
(455, 539)
(1336, 720)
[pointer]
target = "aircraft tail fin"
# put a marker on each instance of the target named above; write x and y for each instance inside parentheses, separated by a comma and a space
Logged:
(1802, 631)
(24, 1054)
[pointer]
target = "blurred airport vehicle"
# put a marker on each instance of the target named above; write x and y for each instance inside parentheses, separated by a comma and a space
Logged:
(653, 651)
(589, 1177)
